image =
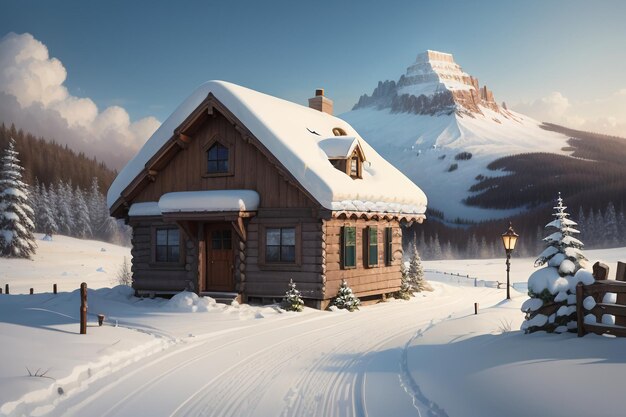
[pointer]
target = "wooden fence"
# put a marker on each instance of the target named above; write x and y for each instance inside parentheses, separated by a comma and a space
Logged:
(598, 290)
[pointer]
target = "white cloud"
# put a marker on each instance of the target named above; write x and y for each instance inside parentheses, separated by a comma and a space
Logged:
(34, 97)
(602, 115)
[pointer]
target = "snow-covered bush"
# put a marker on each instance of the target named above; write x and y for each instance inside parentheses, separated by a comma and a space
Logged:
(345, 298)
(292, 301)
(552, 289)
(17, 218)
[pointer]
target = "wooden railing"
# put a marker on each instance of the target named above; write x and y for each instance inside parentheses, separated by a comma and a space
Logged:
(598, 290)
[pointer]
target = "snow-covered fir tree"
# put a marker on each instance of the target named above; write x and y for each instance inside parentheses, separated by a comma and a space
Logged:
(292, 301)
(552, 289)
(82, 221)
(46, 223)
(17, 218)
(345, 298)
(406, 291)
(415, 272)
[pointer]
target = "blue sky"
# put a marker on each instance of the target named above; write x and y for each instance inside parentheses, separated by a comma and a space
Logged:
(147, 56)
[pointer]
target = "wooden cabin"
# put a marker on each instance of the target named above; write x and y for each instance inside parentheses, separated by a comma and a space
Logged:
(238, 192)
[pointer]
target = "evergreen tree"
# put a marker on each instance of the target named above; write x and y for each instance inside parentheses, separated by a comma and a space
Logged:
(621, 222)
(484, 249)
(448, 251)
(437, 253)
(16, 215)
(345, 298)
(35, 203)
(598, 227)
(582, 223)
(406, 291)
(292, 301)
(590, 228)
(416, 272)
(553, 287)
(611, 226)
(82, 222)
(47, 224)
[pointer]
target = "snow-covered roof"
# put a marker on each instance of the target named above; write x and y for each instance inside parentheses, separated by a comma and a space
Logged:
(292, 133)
(208, 201)
(339, 146)
(150, 208)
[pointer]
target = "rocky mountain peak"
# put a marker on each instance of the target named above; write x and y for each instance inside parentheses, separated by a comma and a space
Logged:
(433, 84)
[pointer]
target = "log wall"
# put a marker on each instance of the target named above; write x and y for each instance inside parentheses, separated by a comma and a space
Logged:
(151, 277)
(270, 280)
(363, 280)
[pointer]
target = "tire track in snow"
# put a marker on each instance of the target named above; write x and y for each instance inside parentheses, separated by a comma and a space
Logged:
(151, 362)
(317, 378)
(249, 393)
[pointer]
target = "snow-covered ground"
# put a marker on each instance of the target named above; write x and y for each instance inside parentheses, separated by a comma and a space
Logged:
(189, 356)
(64, 261)
(423, 147)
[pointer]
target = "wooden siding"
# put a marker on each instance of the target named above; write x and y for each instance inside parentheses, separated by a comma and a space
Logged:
(149, 277)
(363, 280)
(252, 169)
(270, 280)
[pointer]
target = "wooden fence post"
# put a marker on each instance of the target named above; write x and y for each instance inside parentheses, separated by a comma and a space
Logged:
(600, 271)
(54, 288)
(620, 275)
(83, 308)
(6, 288)
(579, 309)
(32, 291)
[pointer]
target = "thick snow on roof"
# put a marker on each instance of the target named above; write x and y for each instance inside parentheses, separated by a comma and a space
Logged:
(150, 208)
(215, 200)
(285, 128)
(339, 146)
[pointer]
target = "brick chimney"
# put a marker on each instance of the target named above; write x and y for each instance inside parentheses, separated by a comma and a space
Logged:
(321, 103)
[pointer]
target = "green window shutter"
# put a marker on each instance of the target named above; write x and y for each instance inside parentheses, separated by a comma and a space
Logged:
(348, 246)
(388, 246)
(372, 246)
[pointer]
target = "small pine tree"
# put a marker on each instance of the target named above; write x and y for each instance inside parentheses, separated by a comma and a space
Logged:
(124, 274)
(292, 301)
(345, 298)
(406, 291)
(17, 223)
(554, 286)
(415, 272)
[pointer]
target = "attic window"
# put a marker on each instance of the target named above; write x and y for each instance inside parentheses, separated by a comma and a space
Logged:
(354, 167)
(217, 159)
(337, 131)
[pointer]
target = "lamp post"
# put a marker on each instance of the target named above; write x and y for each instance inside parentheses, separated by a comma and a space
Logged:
(509, 239)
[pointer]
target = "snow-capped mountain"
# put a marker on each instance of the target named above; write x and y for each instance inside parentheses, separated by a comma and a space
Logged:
(438, 126)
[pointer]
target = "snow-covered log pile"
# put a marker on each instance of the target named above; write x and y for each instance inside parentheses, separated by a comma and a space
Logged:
(552, 289)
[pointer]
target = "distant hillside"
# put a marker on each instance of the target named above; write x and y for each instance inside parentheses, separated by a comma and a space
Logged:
(594, 176)
(592, 180)
(50, 162)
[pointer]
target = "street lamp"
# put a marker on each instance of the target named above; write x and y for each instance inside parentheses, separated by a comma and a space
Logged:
(509, 239)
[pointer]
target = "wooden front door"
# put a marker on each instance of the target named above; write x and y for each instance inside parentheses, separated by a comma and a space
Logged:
(220, 258)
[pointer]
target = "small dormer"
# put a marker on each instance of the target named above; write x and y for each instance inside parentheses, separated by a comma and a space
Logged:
(345, 154)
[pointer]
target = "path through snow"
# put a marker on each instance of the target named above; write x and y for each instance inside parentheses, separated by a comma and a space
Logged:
(330, 364)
